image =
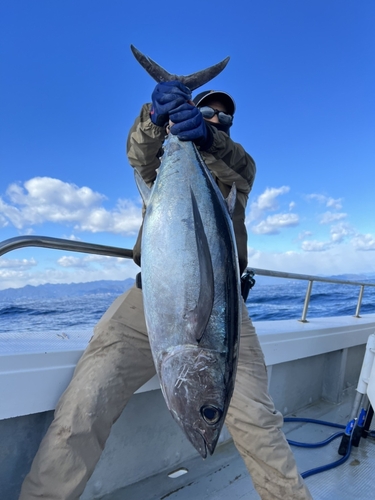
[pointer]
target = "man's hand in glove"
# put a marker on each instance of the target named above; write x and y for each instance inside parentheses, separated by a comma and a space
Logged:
(189, 125)
(166, 97)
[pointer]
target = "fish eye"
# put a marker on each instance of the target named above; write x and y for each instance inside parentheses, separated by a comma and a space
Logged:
(211, 414)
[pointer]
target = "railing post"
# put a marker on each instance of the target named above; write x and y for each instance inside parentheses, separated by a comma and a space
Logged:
(307, 301)
(359, 301)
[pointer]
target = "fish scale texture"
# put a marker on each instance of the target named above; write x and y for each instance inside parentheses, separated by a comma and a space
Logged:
(194, 333)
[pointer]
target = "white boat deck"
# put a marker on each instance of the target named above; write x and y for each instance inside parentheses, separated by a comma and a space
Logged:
(306, 361)
(224, 475)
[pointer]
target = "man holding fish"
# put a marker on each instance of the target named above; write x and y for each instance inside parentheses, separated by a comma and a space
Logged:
(118, 359)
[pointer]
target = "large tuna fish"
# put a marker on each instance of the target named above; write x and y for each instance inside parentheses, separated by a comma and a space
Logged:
(190, 281)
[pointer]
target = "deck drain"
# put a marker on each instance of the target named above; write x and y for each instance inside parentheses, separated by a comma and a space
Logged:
(178, 473)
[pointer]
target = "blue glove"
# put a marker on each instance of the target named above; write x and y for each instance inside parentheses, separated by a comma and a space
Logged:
(166, 97)
(189, 125)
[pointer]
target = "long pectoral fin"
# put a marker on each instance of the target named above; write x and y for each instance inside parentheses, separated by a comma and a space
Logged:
(143, 189)
(201, 314)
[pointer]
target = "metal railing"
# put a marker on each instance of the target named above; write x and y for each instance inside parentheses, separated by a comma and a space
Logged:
(311, 279)
(61, 244)
(92, 248)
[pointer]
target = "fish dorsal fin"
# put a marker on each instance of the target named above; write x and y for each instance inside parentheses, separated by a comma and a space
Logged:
(231, 199)
(199, 316)
(143, 189)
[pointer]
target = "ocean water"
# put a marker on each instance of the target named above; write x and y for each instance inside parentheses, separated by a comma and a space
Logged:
(265, 302)
(286, 300)
(62, 314)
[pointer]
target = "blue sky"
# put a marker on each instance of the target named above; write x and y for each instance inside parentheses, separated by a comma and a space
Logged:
(303, 77)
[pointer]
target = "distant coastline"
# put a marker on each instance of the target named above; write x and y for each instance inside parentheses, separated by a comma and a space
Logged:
(49, 290)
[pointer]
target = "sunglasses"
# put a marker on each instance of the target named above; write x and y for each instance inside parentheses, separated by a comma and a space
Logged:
(224, 118)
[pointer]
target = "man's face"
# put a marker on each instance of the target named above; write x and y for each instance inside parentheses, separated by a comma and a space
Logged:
(217, 105)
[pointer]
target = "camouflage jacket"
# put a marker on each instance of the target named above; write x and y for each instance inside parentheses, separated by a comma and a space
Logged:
(226, 159)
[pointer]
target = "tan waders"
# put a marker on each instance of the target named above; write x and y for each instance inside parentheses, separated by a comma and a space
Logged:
(115, 364)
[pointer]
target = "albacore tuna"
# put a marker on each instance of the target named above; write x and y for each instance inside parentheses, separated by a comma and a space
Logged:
(191, 290)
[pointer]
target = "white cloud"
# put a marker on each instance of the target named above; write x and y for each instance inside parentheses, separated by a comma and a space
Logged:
(75, 270)
(72, 237)
(44, 199)
(11, 278)
(332, 203)
(329, 217)
(340, 231)
(273, 223)
(74, 262)
(3, 221)
(14, 271)
(314, 246)
(364, 242)
(17, 263)
(326, 200)
(266, 202)
(49, 191)
(102, 258)
(304, 234)
(126, 218)
(337, 259)
(69, 261)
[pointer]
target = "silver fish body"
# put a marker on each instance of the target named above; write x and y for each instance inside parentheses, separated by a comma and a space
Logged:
(190, 282)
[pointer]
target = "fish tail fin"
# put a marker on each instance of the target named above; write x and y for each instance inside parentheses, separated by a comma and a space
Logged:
(192, 81)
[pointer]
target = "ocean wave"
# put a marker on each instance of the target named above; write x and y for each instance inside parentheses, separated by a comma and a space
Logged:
(265, 303)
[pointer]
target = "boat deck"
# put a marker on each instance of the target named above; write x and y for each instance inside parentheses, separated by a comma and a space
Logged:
(225, 476)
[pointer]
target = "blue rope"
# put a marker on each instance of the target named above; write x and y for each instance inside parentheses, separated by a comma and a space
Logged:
(320, 444)
(316, 445)
(314, 421)
(328, 466)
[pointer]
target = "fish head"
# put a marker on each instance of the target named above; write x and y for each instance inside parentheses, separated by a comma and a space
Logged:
(193, 385)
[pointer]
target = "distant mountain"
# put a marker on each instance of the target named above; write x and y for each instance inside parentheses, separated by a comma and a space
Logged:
(67, 290)
(118, 287)
(270, 280)
(354, 277)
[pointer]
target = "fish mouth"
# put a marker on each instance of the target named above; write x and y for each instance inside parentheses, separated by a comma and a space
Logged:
(202, 446)
(211, 448)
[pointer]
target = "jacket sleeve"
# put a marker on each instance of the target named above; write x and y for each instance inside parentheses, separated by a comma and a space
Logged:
(229, 162)
(144, 144)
